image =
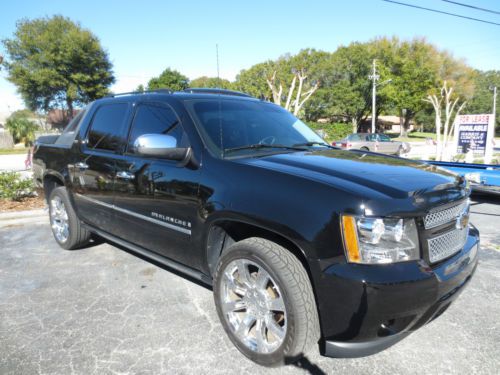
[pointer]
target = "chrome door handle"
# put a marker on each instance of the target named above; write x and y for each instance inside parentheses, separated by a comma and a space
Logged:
(125, 175)
(81, 165)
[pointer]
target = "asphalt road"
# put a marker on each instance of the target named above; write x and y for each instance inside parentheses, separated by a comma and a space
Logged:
(102, 310)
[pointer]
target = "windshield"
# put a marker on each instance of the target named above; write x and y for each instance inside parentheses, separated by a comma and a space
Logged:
(231, 125)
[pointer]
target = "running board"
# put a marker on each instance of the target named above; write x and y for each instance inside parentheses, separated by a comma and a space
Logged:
(152, 255)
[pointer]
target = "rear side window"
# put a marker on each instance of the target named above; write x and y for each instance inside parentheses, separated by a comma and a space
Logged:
(107, 128)
(156, 119)
(71, 127)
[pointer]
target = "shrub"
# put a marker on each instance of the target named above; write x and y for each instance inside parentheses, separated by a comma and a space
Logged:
(21, 128)
(334, 131)
(14, 187)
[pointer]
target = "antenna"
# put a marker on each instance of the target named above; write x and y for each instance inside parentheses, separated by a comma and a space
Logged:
(220, 104)
(217, 56)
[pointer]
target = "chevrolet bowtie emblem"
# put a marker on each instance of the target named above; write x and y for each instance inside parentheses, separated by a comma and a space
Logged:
(462, 220)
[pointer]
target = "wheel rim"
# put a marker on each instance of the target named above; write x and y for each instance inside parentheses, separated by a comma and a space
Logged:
(253, 306)
(59, 219)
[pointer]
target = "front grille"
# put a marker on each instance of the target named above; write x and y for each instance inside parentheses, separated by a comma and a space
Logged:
(446, 244)
(439, 217)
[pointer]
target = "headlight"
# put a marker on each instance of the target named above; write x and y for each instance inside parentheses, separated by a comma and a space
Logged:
(380, 240)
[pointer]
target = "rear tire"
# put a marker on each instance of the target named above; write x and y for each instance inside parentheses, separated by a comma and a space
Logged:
(66, 227)
(364, 149)
(268, 310)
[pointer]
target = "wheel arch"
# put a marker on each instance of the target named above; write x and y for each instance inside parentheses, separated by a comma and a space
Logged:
(50, 182)
(224, 232)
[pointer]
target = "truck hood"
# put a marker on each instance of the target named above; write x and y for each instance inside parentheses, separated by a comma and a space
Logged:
(348, 170)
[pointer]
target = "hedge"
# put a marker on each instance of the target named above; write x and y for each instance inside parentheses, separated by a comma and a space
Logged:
(334, 131)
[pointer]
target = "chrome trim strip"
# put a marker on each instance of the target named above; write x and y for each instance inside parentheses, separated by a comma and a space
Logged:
(139, 216)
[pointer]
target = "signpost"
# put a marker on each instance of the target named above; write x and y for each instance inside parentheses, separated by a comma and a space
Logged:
(475, 133)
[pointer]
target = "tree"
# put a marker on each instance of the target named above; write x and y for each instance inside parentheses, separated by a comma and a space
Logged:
(21, 127)
(290, 81)
(169, 79)
(253, 80)
(444, 117)
(414, 71)
(210, 82)
(482, 100)
(350, 94)
(54, 62)
(140, 88)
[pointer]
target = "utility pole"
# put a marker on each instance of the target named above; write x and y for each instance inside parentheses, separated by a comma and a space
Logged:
(494, 103)
(490, 135)
(374, 77)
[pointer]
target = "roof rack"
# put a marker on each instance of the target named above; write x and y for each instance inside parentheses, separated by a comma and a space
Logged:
(156, 91)
(200, 90)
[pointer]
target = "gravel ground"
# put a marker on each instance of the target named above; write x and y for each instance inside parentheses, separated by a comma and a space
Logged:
(102, 310)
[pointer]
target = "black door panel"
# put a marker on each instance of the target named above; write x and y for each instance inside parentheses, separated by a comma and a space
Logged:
(157, 209)
(156, 201)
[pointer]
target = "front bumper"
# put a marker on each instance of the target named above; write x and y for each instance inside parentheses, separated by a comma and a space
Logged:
(366, 308)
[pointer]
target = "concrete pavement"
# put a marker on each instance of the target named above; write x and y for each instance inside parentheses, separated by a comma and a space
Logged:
(102, 310)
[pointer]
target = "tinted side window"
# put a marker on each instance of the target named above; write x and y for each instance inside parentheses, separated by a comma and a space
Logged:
(384, 138)
(107, 129)
(354, 137)
(156, 119)
(74, 122)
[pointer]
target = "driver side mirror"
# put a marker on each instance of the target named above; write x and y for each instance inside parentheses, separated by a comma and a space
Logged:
(160, 145)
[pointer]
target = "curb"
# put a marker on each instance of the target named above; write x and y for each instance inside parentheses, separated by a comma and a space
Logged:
(16, 218)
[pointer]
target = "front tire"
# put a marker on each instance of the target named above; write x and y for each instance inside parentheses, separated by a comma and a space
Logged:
(265, 302)
(66, 227)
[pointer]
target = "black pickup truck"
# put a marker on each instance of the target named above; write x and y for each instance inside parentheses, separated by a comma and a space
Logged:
(303, 244)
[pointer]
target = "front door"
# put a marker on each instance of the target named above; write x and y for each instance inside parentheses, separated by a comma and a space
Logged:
(93, 172)
(386, 145)
(156, 201)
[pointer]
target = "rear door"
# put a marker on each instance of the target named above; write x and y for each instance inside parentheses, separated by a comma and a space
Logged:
(372, 142)
(93, 172)
(156, 199)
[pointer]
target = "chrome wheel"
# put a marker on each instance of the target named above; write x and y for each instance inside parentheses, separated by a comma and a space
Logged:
(253, 306)
(59, 219)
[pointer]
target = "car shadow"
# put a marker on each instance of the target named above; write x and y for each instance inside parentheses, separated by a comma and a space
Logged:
(477, 198)
(305, 364)
(158, 264)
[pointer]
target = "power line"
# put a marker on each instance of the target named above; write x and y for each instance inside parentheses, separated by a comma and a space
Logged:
(439, 11)
(471, 6)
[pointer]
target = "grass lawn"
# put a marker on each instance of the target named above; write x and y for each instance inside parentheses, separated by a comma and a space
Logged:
(413, 137)
(10, 151)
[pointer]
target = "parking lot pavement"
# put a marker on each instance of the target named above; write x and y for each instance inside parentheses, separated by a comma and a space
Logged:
(102, 310)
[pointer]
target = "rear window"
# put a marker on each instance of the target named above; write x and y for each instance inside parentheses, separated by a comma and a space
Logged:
(107, 129)
(354, 138)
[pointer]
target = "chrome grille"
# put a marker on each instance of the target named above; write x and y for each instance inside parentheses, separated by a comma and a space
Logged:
(439, 217)
(446, 244)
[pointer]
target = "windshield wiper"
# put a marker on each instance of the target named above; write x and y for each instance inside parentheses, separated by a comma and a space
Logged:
(313, 143)
(260, 146)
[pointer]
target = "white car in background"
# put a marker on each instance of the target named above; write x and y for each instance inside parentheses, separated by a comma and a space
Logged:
(375, 142)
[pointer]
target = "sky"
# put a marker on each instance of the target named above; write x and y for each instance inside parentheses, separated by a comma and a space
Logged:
(144, 37)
